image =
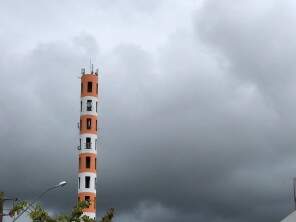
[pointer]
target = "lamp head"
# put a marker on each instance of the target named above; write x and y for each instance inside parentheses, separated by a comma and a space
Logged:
(61, 184)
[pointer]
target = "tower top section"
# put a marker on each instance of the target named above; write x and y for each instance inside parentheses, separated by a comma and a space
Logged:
(89, 84)
(91, 72)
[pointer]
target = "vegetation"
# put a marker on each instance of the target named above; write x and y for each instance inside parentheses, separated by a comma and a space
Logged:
(38, 214)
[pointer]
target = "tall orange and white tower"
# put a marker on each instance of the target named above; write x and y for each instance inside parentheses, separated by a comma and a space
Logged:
(87, 176)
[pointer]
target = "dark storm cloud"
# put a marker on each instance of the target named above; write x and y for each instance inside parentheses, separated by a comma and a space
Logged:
(200, 130)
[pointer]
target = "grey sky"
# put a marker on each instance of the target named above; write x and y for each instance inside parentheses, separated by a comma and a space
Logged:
(197, 105)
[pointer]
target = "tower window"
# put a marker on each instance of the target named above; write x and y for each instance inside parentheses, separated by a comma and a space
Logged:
(79, 163)
(89, 86)
(97, 88)
(89, 105)
(88, 142)
(87, 182)
(87, 162)
(87, 198)
(81, 87)
(79, 144)
(80, 106)
(95, 163)
(95, 202)
(88, 123)
(96, 144)
(80, 125)
(78, 182)
(96, 106)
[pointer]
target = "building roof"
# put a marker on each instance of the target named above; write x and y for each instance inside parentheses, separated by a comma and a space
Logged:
(290, 218)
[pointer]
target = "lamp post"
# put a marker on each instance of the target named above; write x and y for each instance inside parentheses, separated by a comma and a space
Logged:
(60, 184)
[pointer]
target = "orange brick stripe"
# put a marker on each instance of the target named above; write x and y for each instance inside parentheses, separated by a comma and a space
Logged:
(84, 81)
(82, 162)
(83, 124)
(92, 206)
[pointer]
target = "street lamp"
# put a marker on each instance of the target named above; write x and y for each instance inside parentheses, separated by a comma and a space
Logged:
(60, 184)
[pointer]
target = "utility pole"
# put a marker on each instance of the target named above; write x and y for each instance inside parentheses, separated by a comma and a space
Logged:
(1, 205)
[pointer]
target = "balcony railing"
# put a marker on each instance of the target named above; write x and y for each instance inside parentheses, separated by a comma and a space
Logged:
(88, 145)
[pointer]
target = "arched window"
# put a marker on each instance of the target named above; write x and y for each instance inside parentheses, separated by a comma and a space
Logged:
(88, 143)
(88, 105)
(87, 198)
(88, 123)
(87, 182)
(89, 87)
(87, 162)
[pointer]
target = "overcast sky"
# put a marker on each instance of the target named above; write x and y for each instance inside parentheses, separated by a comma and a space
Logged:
(197, 105)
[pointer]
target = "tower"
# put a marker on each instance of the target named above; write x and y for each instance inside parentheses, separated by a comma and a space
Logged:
(88, 127)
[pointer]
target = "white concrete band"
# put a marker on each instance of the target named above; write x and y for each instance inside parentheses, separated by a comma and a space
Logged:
(94, 105)
(92, 182)
(90, 214)
(86, 146)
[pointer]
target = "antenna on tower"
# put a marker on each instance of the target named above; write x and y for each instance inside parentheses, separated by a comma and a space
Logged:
(294, 190)
(91, 66)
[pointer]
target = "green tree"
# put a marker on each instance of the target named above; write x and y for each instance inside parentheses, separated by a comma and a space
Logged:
(39, 214)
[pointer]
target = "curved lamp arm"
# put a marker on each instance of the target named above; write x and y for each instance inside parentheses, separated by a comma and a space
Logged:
(61, 184)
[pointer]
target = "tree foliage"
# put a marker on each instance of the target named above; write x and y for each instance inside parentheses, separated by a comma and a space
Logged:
(39, 214)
